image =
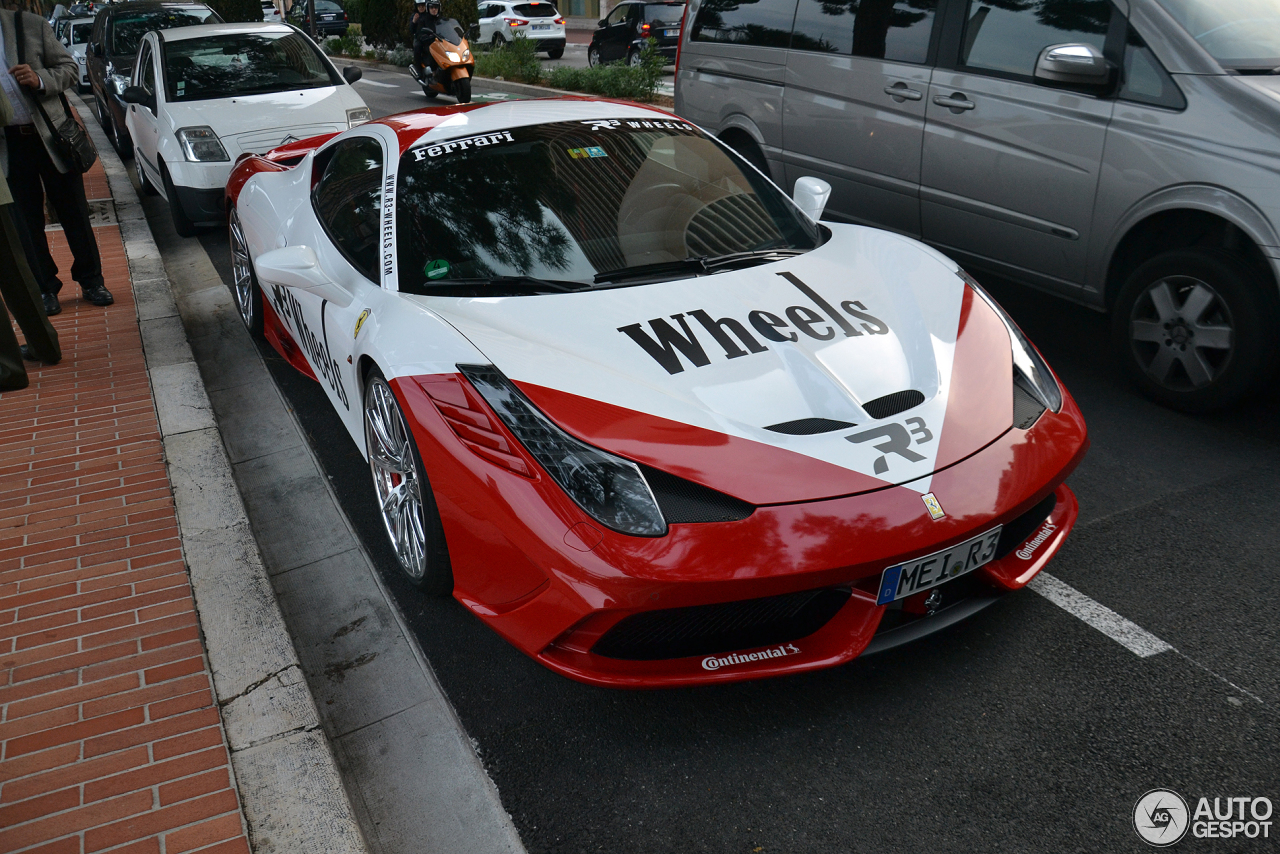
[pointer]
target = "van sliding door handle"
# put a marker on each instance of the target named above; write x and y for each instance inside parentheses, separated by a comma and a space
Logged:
(956, 103)
(901, 93)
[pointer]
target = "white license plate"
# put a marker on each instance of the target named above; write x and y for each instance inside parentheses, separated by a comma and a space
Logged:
(671, 33)
(542, 26)
(328, 17)
(899, 582)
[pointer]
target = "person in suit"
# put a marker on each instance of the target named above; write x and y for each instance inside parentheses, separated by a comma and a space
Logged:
(21, 294)
(35, 75)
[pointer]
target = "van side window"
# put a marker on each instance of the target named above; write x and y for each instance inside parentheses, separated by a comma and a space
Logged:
(897, 30)
(760, 23)
(1010, 39)
(1145, 80)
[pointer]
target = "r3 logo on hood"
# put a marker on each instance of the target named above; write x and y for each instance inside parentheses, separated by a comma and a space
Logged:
(666, 343)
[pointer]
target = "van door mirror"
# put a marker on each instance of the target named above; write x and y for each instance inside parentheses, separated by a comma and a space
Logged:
(1077, 64)
(811, 196)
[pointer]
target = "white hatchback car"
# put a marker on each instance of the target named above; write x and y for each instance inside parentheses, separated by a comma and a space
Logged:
(502, 21)
(76, 37)
(202, 96)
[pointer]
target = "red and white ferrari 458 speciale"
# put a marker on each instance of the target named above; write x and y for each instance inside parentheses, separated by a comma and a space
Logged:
(635, 408)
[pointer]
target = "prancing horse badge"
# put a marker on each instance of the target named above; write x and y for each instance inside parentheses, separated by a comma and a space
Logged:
(935, 509)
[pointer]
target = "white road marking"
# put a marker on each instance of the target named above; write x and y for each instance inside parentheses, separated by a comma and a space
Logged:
(1128, 634)
(376, 83)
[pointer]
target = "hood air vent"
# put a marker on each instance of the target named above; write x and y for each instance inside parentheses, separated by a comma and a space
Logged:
(1026, 408)
(809, 426)
(891, 404)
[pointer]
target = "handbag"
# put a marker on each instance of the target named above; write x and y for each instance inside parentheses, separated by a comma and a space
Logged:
(70, 139)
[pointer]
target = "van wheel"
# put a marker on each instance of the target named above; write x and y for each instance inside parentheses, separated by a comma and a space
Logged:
(1190, 325)
(746, 146)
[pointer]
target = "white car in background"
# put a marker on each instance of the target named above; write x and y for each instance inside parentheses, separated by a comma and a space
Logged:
(202, 96)
(76, 37)
(502, 21)
(270, 13)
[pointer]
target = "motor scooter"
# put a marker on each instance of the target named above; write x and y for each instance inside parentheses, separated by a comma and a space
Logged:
(454, 65)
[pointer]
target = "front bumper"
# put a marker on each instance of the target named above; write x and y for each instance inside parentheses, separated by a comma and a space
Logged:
(552, 582)
(202, 206)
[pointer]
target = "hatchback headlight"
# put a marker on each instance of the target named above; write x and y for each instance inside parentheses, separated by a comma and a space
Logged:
(80, 58)
(119, 82)
(201, 145)
(358, 116)
(1030, 371)
(612, 490)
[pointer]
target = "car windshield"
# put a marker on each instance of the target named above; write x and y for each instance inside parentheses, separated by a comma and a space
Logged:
(1240, 34)
(536, 10)
(127, 30)
(243, 64)
(80, 32)
(664, 13)
(327, 6)
(583, 203)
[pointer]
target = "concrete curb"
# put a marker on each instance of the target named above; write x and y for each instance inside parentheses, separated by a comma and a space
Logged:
(290, 790)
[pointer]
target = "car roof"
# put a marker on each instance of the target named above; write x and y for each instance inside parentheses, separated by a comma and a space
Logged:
(196, 31)
(151, 5)
(421, 126)
(82, 19)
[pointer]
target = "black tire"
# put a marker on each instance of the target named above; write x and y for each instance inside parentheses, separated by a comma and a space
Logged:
(555, 53)
(497, 42)
(462, 90)
(424, 562)
(633, 58)
(182, 223)
(593, 56)
(119, 137)
(1192, 328)
(244, 282)
(144, 183)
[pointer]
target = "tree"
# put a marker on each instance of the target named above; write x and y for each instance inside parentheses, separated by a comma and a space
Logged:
(237, 10)
(382, 25)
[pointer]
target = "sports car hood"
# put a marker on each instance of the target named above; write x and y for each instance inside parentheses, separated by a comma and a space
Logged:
(863, 364)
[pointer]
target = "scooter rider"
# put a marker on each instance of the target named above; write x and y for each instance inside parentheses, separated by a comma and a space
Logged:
(423, 28)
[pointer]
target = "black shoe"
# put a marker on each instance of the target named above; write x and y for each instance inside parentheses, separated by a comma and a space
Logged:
(51, 304)
(98, 295)
(29, 355)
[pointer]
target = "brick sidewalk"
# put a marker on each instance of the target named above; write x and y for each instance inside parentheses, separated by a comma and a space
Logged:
(111, 737)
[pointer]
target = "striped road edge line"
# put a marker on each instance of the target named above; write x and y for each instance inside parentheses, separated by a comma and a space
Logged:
(1128, 634)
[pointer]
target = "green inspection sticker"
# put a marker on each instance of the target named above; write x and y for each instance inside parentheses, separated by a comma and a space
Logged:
(436, 269)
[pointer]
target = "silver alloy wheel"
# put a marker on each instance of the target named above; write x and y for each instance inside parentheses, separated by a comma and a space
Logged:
(395, 477)
(1182, 332)
(241, 271)
(634, 59)
(593, 56)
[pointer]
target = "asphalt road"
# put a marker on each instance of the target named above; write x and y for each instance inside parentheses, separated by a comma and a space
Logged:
(1023, 730)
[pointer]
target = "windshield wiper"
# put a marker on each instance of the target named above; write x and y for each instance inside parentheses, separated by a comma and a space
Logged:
(488, 286)
(702, 265)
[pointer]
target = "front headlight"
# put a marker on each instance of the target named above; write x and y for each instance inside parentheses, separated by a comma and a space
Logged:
(612, 490)
(466, 54)
(119, 82)
(201, 145)
(452, 57)
(80, 58)
(1030, 371)
(358, 116)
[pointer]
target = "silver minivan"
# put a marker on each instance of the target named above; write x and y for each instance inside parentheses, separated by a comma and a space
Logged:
(1124, 154)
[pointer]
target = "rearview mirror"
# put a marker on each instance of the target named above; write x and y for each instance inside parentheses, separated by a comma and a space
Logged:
(1079, 64)
(298, 267)
(603, 23)
(352, 73)
(811, 196)
(136, 95)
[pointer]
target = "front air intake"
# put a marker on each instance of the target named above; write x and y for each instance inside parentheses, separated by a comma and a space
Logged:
(683, 500)
(891, 404)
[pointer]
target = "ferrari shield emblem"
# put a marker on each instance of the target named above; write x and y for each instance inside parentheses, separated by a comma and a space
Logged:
(935, 509)
(364, 315)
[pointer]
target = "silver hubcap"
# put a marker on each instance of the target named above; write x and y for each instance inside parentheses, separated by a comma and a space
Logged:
(395, 477)
(241, 272)
(593, 57)
(1182, 333)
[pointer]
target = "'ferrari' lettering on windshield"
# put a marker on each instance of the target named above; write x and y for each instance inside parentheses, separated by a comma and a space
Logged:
(461, 145)
(290, 310)
(665, 344)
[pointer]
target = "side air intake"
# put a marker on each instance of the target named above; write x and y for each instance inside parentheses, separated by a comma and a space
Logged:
(891, 404)
(683, 500)
(809, 426)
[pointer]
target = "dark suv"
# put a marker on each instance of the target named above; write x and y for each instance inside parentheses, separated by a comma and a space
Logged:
(622, 35)
(331, 20)
(113, 46)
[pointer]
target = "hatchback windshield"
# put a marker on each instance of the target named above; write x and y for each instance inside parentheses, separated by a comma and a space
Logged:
(583, 204)
(536, 10)
(1240, 34)
(243, 64)
(127, 30)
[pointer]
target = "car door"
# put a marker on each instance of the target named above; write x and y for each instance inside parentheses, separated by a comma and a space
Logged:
(854, 107)
(616, 35)
(487, 11)
(347, 203)
(141, 122)
(1010, 167)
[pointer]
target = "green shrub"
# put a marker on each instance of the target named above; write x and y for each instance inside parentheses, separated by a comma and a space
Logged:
(381, 23)
(401, 56)
(371, 54)
(517, 61)
(332, 46)
(379, 55)
(616, 80)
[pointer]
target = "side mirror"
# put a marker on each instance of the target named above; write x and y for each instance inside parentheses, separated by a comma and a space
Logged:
(811, 195)
(1078, 64)
(298, 267)
(352, 73)
(603, 23)
(135, 95)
